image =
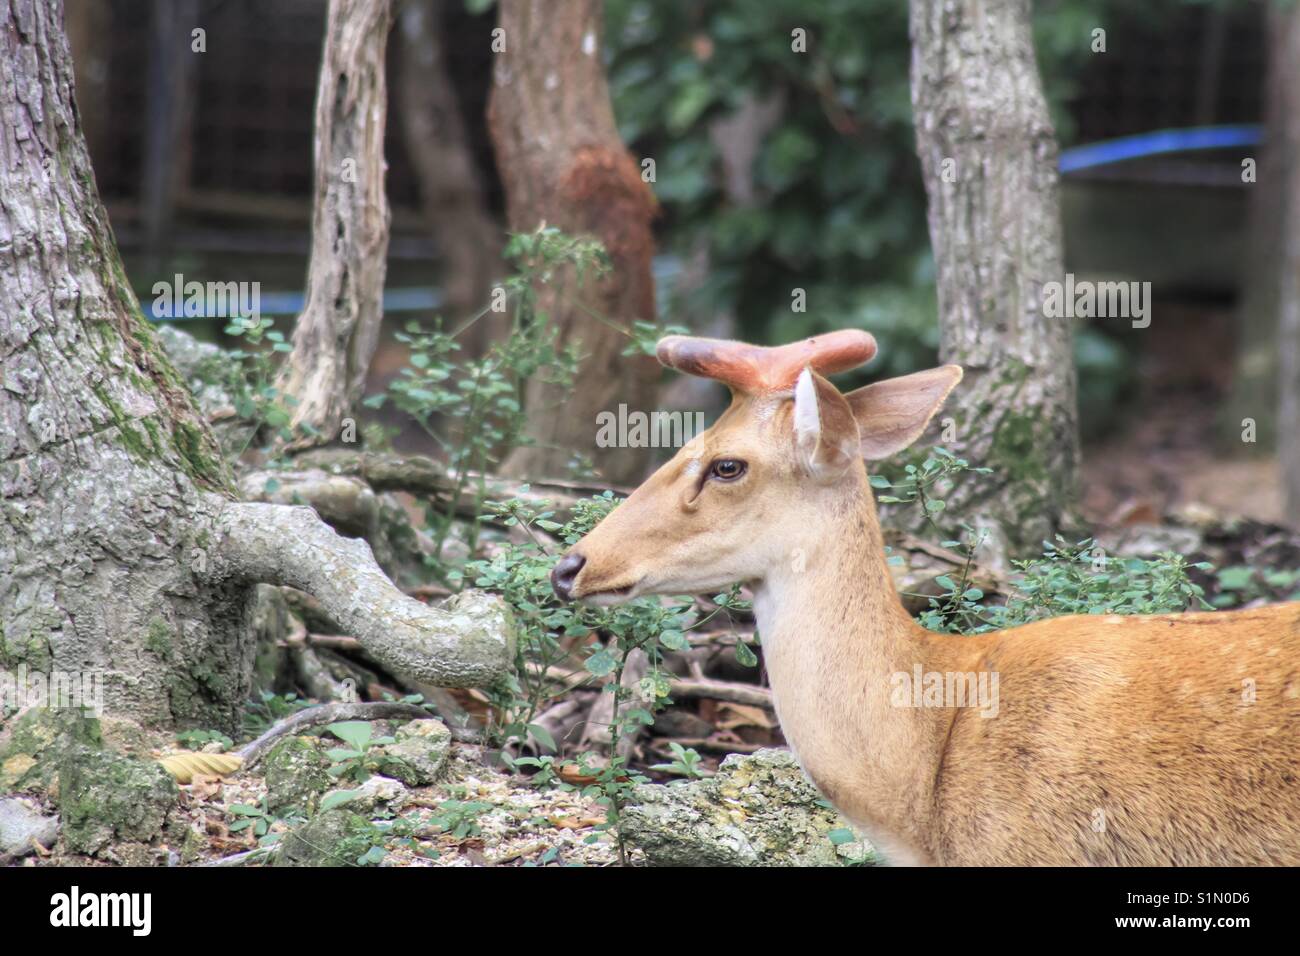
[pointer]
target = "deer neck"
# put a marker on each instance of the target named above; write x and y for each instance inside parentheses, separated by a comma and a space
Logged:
(834, 636)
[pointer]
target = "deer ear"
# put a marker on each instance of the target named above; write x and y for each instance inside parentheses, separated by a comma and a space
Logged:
(825, 433)
(892, 414)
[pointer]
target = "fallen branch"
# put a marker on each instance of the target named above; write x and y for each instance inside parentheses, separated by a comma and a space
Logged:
(253, 752)
(424, 476)
(468, 642)
(722, 690)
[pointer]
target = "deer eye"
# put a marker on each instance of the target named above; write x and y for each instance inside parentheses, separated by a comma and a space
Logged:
(727, 469)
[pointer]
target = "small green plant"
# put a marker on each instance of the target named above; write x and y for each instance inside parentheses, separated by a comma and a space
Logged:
(355, 761)
(460, 818)
(198, 739)
(255, 396)
(1240, 584)
(266, 708)
(1069, 578)
(259, 819)
(685, 762)
(473, 408)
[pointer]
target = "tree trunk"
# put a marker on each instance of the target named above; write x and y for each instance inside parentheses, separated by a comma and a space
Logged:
(337, 332)
(123, 557)
(451, 190)
(563, 163)
(1288, 342)
(1254, 392)
(982, 122)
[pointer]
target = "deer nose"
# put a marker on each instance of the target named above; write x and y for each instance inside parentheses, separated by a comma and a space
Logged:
(565, 573)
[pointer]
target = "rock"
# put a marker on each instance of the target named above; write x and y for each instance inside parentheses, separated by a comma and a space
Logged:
(33, 745)
(758, 810)
(297, 773)
(335, 837)
(207, 369)
(22, 825)
(213, 376)
(420, 753)
(367, 796)
(105, 797)
(1148, 540)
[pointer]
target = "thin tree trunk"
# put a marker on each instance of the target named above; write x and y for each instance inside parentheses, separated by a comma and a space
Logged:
(1288, 342)
(336, 334)
(981, 117)
(564, 164)
(123, 556)
(1254, 391)
(451, 189)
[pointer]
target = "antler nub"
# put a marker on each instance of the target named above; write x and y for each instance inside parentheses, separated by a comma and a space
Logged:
(756, 368)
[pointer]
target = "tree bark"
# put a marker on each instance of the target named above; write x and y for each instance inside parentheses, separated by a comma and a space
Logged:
(563, 163)
(1254, 391)
(996, 233)
(123, 557)
(1288, 341)
(336, 334)
(451, 189)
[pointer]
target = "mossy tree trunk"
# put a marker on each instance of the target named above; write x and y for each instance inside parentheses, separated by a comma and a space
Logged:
(123, 554)
(105, 466)
(988, 153)
(336, 334)
(563, 164)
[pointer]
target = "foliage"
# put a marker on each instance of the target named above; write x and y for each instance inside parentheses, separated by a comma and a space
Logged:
(355, 761)
(547, 629)
(473, 408)
(1240, 584)
(264, 710)
(685, 762)
(833, 201)
(1078, 578)
(198, 739)
(260, 821)
(256, 398)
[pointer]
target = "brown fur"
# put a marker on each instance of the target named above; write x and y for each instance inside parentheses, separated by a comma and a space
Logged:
(1117, 740)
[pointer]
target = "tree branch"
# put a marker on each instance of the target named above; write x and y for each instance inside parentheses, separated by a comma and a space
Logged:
(469, 642)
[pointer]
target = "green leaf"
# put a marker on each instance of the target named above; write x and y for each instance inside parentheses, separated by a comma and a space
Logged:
(674, 640)
(745, 656)
(543, 736)
(355, 732)
(336, 798)
(601, 663)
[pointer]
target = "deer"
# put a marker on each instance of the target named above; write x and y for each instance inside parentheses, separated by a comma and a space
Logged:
(1154, 740)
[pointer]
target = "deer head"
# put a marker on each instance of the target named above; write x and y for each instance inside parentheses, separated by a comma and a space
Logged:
(771, 476)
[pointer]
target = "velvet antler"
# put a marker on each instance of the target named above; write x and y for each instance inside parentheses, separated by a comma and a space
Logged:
(757, 368)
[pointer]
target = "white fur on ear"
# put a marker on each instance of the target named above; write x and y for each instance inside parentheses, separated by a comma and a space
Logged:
(807, 416)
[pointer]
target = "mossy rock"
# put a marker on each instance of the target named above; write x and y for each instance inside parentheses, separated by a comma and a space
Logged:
(758, 810)
(420, 753)
(32, 748)
(297, 773)
(335, 837)
(105, 797)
